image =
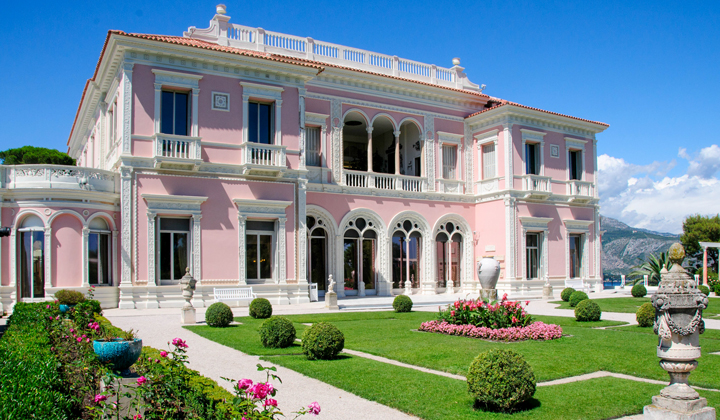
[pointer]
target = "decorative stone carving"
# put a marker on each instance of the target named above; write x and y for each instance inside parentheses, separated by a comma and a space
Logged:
(678, 323)
(331, 296)
(187, 285)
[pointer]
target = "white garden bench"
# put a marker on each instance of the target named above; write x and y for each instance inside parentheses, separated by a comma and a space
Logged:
(234, 294)
(578, 284)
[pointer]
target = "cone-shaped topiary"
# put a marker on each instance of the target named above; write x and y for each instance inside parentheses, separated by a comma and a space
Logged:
(218, 315)
(638, 291)
(565, 294)
(277, 332)
(645, 315)
(322, 341)
(577, 297)
(260, 308)
(587, 310)
(402, 303)
(500, 380)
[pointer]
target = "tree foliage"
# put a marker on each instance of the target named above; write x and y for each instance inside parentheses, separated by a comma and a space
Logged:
(28, 155)
(696, 229)
(651, 268)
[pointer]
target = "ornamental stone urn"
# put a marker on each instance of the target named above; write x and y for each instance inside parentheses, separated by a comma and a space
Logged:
(488, 270)
(678, 323)
(187, 285)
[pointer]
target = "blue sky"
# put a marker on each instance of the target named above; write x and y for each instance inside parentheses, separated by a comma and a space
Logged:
(649, 69)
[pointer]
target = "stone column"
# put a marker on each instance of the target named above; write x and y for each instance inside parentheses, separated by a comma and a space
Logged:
(282, 252)
(705, 277)
(370, 150)
(85, 246)
(126, 297)
(242, 273)
(397, 152)
(47, 258)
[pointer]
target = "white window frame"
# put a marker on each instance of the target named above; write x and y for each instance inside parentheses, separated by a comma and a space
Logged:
(273, 251)
(575, 145)
(533, 137)
(578, 227)
(445, 138)
(485, 139)
(173, 206)
(158, 251)
(171, 80)
(263, 94)
(535, 225)
(110, 255)
(46, 258)
(318, 120)
(265, 210)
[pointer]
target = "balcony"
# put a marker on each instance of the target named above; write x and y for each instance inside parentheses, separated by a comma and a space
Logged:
(536, 186)
(580, 191)
(57, 177)
(177, 152)
(266, 160)
(380, 181)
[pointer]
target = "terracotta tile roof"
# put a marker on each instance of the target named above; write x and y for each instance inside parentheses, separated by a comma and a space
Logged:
(505, 103)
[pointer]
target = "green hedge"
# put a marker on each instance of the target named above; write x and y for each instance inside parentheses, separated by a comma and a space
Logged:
(31, 386)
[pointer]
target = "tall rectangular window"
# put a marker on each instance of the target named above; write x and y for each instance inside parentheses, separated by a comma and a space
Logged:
(111, 135)
(32, 263)
(449, 157)
(259, 244)
(174, 248)
(99, 258)
(488, 161)
(575, 256)
(313, 145)
(532, 159)
(174, 113)
(575, 164)
(532, 249)
(260, 123)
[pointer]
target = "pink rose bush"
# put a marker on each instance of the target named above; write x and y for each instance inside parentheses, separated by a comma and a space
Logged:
(502, 320)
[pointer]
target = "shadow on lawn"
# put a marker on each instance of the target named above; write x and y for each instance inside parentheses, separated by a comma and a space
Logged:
(528, 405)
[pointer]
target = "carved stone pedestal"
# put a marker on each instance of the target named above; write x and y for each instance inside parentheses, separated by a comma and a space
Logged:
(664, 408)
(488, 294)
(187, 315)
(547, 292)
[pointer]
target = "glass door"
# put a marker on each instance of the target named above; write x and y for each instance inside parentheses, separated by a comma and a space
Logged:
(32, 264)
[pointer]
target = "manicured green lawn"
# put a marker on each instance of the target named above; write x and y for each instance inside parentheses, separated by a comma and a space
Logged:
(631, 305)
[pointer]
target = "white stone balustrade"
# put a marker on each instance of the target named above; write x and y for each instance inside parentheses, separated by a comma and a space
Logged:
(227, 34)
(258, 154)
(580, 188)
(359, 179)
(178, 147)
(537, 186)
(58, 177)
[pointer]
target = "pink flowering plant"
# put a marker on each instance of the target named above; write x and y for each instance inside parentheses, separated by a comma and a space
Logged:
(502, 320)
(256, 400)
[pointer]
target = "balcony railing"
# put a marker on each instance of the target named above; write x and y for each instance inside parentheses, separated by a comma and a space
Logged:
(263, 159)
(580, 190)
(537, 186)
(177, 152)
(382, 181)
(227, 34)
(58, 177)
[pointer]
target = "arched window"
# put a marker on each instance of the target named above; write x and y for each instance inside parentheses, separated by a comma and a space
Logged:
(317, 253)
(31, 237)
(359, 253)
(99, 261)
(406, 249)
(449, 251)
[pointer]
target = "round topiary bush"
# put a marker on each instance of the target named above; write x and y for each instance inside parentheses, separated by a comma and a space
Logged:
(69, 297)
(565, 294)
(638, 291)
(500, 380)
(704, 289)
(322, 341)
(645, 315)
(402, 303)
(218, 315)
(587, 310)
(577, 297)
(260, 308)
(277, 332)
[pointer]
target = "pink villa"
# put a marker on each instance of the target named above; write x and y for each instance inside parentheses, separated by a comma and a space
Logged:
(265, 160)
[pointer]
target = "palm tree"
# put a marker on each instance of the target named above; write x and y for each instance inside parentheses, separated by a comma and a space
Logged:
(651, 268)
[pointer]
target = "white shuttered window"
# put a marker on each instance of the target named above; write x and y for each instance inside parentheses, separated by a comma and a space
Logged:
(449, 156)
(312, 146)
(488, 161)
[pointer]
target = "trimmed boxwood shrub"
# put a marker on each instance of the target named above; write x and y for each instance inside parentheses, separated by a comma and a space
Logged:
(69, 297)
(587, 310)
(402, 303)
(638, 291)
(218, 315)
(277, 332)
(645, 315)
(704, 289)
(565, 294)
(500, 380)
(260, 308)
(576, 297)
(322, 341)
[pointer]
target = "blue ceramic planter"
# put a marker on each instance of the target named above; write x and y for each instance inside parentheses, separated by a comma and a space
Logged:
(64, 308)
(118, 352)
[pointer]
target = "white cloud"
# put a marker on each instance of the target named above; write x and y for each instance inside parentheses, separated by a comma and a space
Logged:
(644, 196)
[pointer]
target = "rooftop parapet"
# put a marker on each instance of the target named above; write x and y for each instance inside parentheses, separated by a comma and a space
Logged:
(222, 32)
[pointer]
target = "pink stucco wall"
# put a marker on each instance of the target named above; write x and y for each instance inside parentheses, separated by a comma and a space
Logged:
(66, 251)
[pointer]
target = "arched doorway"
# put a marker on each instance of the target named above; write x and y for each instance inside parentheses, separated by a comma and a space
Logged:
(449, 250)
(31, 264)
(359, 257)
(406, 254)
(317, 253)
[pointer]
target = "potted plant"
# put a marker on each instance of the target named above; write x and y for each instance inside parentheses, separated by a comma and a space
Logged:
(120, 349)
(68, 299)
